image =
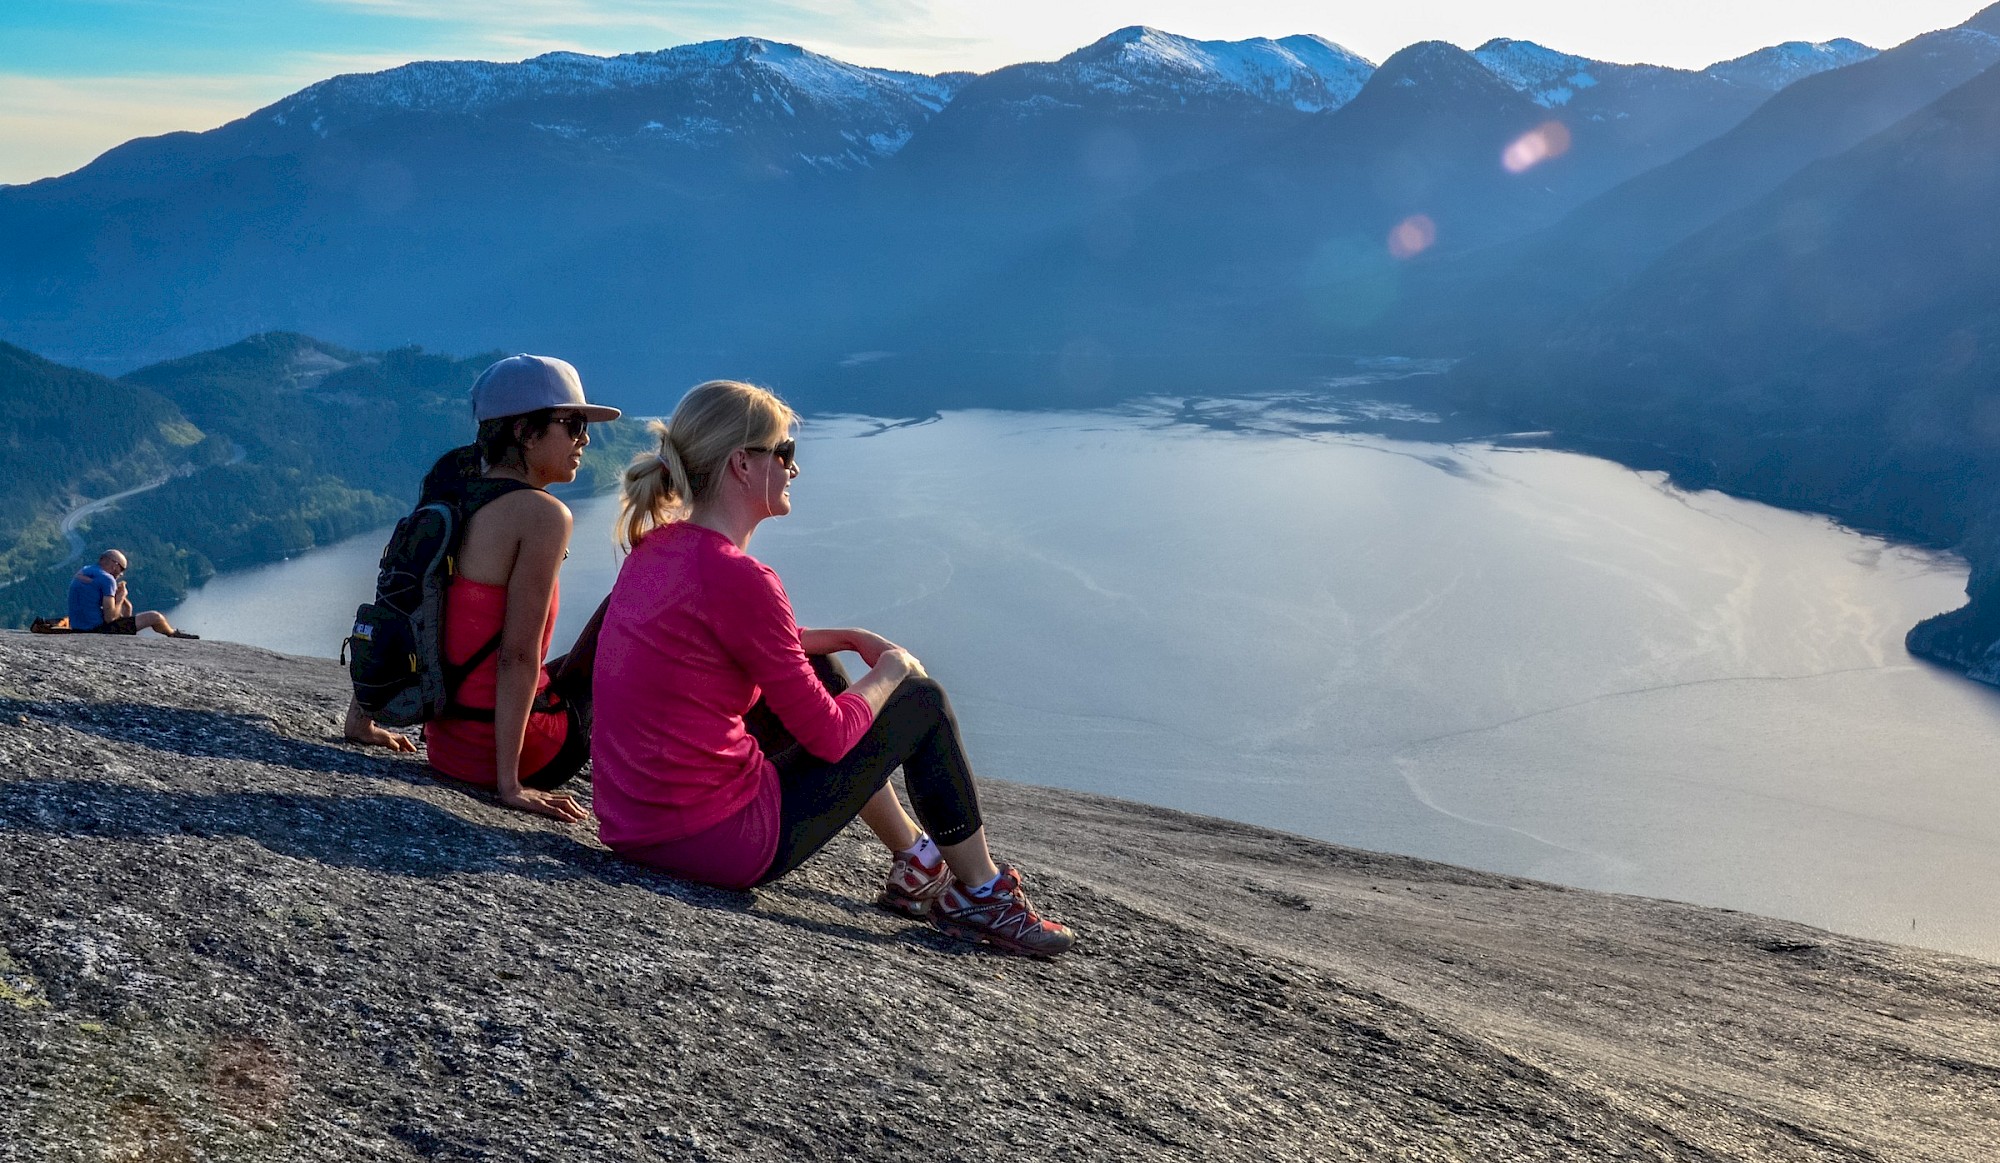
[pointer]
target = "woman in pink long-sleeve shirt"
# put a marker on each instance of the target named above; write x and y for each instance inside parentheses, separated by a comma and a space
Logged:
(728, 745)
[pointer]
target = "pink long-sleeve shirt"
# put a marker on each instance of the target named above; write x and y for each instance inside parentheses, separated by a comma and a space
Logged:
(697, 630)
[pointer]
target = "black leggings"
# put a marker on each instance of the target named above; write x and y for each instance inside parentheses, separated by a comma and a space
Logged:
(915, 729)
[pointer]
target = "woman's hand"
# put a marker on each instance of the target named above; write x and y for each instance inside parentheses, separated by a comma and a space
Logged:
(900, 659)
(559, 805)
(888, 673)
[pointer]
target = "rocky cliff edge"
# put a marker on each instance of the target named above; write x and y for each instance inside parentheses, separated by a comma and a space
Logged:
(226, 935)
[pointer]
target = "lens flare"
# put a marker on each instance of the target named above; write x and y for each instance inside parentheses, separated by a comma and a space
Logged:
(1412, 236)
(1544, 142)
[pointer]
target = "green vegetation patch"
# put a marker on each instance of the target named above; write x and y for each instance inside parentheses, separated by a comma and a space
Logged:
(182, 434)
(71, 434)
(255, 452)
(18, 986)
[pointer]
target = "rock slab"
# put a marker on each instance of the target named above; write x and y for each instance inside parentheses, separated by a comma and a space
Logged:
(225, 934)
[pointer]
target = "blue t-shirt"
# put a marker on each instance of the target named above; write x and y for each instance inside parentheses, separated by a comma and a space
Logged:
(87, 591)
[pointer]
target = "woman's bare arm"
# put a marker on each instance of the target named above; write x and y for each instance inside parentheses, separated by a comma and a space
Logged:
(888, 663)
(867, 644)
(538, 526)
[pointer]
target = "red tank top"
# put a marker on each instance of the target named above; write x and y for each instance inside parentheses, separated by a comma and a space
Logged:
(463, 748)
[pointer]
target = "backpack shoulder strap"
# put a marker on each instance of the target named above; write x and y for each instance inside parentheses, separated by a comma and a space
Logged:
(480, 492)
(455, 676)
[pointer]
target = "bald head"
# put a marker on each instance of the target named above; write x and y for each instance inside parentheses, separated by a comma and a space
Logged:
(111, 561)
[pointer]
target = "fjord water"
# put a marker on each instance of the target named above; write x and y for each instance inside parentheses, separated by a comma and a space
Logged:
(1520, 660)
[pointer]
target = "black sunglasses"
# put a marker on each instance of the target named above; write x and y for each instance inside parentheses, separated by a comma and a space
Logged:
(785, 450)
(572, 424)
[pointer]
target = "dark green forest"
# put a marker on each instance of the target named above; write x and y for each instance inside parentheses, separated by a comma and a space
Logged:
(267, 448)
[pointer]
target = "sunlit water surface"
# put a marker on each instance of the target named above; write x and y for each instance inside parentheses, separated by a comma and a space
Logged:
(1525, 661)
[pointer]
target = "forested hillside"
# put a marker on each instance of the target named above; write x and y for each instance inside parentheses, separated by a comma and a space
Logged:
(71, 434)
(256, 452)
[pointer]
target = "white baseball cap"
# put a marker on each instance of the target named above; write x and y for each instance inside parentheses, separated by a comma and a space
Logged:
(529, 383)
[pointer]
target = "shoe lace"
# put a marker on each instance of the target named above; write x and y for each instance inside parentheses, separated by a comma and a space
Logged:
(1010, 911)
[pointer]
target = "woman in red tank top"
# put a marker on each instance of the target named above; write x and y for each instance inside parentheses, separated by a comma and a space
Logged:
(501, 605)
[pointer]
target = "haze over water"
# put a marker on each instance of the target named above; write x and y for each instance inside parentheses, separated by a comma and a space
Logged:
(1520, 660)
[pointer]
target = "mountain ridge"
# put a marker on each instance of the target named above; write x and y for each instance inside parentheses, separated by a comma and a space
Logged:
(1523, 287)
(1782, 64)
(1310, 73)
(470, 86)
(1252, 67)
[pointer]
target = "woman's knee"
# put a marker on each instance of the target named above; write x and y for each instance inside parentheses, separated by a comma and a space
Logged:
(921, 690)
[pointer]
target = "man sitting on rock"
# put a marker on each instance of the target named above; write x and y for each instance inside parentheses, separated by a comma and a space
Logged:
(98, 603)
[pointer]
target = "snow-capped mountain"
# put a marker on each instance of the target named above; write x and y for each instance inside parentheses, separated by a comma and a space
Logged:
(1771, 69)
(1553, 79)
(472, 86)
(1639, 115)
(689, 95)
(1041, 140)
(659, 207)
(1308, 73)
(1556, 79)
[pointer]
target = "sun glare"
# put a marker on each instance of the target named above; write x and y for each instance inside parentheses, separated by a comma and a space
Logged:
(1544, 142)
(1412, 236)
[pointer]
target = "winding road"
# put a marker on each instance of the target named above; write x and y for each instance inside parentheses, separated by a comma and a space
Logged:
(88, 509)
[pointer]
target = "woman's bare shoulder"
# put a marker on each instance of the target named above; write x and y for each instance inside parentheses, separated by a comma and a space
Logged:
(492, 537)
(527, 509)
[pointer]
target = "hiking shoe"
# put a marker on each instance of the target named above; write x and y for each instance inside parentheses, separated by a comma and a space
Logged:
(914, 887)
(186, 635)
(1003, 919)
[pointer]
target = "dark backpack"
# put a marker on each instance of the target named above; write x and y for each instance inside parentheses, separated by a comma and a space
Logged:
(395, 656)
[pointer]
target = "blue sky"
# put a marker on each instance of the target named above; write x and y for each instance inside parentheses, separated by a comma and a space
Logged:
(79, 76)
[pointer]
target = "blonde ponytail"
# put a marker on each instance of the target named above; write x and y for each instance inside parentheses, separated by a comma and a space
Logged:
(653, 489)
(713, 420)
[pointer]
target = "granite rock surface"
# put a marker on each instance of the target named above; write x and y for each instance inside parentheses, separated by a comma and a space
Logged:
(227, 935)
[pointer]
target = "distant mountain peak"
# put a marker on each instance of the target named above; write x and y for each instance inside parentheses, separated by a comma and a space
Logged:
(1434, 63)
(1131, 34)
(1523, 61)
(1775, 67)
(1310, 73)
(735, 50)
(1548, 77)
(1986, 20)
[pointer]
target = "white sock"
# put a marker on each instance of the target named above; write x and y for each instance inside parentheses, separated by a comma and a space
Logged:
(924, 851)
(987, 888)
